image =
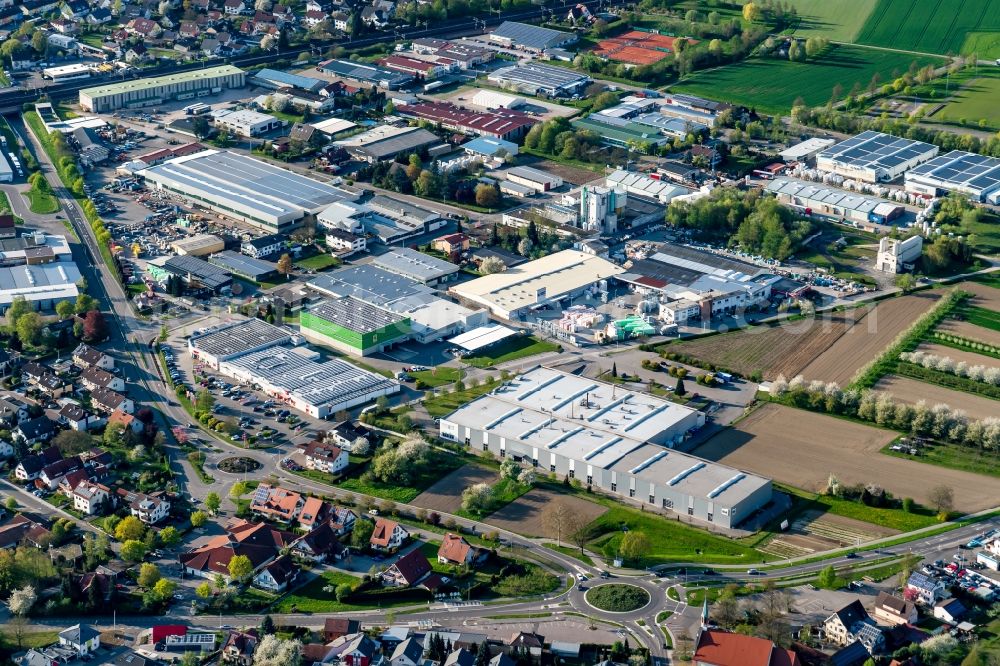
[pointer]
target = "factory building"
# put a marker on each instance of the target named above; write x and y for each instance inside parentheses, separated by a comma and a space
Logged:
(43, 285)
(387, 142)
(600, 208)
(499, 124)
(806, 151)
(245, 122)
(198, 245)
(536, 179)
(388, 219)
(152, 91)
(378, 76)
(417, 266)
(975, 176)
(227, 341)
(817, 199)
(897, 256)
(613, 440)
(512, 294)
(243, 266)
(353, 326)
(527, 37)
(641, 185)
(540, 80)
(197, 274)
(276, 79)
(874, 157)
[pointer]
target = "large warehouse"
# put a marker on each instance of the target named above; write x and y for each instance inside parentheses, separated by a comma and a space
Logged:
(819, 199)
(43, 285)
(386, 142)
(611, 439)
(976, 176)
(874, 157)
(233, 339)
(431, 317)
(379, 76)
(527, 37)
(511, 294)
(244, 188)
(416, 265)
(353, 326)
(153, 91)
(543, 80)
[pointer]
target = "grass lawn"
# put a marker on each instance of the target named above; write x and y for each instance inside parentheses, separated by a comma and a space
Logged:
(505, 491)
(772, 85)
(437, 376)
(444, 464)
(618, 597)
(571, 552)
(837, 20)
(954, 456)
(511, 350)
(319, 262)
(975, 101)
(311, 598)
(895, 519)
(944, 26)
(30, 639)
(42, 201)
(445, 403)
(981, 317)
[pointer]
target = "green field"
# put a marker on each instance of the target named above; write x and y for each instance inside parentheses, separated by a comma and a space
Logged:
(511, 350)
(771, 85)
(977, 100)
(837, 20)
(941, 26)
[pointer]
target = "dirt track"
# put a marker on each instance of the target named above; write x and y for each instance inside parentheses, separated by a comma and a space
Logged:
(970, 331)
(912, 391)
(863, 342)
(803, 448)
(972, 358)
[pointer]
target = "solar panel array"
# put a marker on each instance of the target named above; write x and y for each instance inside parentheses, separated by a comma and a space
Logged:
(876, 150)
(962, 171)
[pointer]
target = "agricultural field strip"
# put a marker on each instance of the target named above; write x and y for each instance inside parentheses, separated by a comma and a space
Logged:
(913, 391)
(944, 27)
(958, 355)
(970, 331)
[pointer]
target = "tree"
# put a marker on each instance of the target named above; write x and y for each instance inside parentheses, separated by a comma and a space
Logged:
(18, 308)
(827, 579)
(133, 550)
(29, 329)
(477, 498)
(169, 536)
(213, 502)
(942, 499)
(906, 282)
(343, 592)
(95, 328)
(555, 515)
(285, 264)
(509, 469)
(204, 591)
(634, 545)
(149, 573)
(205, 401)
(274, 651)
(65, 309)
(362, 534)
(751, 12)
(726, 610)
(679, 390)
(163, 590)
(491, 265)
(130, 528)
(21, 600)
(238, 490)
(198, 518)
(72, 442)
(240, 568)
(85, 303)
(487, 195)
(267, 626)
(39, 42)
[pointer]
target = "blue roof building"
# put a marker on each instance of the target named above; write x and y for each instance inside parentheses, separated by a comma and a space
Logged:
(489, 146)
(272, 78)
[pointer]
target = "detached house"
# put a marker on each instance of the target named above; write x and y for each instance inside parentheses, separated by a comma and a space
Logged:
(150, 509)
(276, 503)
(258, 541)
(361, 651)
(320, 544)
(852, 623)
(720, 648)
(12, 411)
(81, 638)
(949, 610)
(408, 653)
(78, 418)
(338, 627)
(109, 401)
(314, 512)
(388, 535)
(31, 466)
(35, 430)
(90, 498)
(239, 647)
(276, 576)
(456, 550)
(342, 520)
(324, 457)
(408, 570)
(893, 610)
(52, 474)
(924, 589)
(234, 7)
(94, 378)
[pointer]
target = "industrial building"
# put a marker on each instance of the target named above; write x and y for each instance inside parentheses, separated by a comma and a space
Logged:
(430, 316)
(527, 37)
(642, 185)
(245, 122)
(500, 124)
(541, 80)
(693, 108)
(622, 133)
(244, 188)
(806, 151)
(152, 91)
(353, 326)
(491, 99)
(67, 72)
(198, 245)
(197, 274)
(817, 199)
(490, 148)
(295, 376)
(600, 208)
(614, 440)
(417, 266)
(513, 293)
(243, 266)
(43, 286)
(276, 79)
(976, 176)
(378, 76)
(874, 157)
(6, 171)
(897, 256)
(387, 142)
(389, 219)
(536, 179)
(227, 341)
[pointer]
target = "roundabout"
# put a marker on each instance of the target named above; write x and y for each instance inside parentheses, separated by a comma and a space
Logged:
(617, 597)
(239, 465)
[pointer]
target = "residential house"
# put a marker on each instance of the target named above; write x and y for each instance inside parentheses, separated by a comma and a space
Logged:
(263, 247)
(239, 647)
(361, 651)
(341, 240)
(337, 627)
(313, 18)
(78, 418)
(21, 529)
(325, 6)
(388, 535)
(188, 30)
(949, 610)
(452, 245)
(313, 512)
(234, 7)
(456, 550)
(46, 381)
(324, 457)
(101, 586)
(137, 54)
(75, 9)
(502, 659)
(64, 26)
(524, 640)
(12, 411)
(893, 610)
(52, 474)
(99, 16)
(276, 503)
(852, 623)
(720, 648)
(143, 27)
(320, 544)
(31, 466)
(342, 520)
(109, 401)
(346, 433)
(460, 657)
(341, 20)
(6, 450)
(924, 589)
(91, 498)
(69, 482)
(258, 541)
(127, 421)
(407, 571)
(81, 638)
(33, 431)
(94, 378)
(277, 575)
(393, 636)
(150, 509)
(283, 15)
(408, 653)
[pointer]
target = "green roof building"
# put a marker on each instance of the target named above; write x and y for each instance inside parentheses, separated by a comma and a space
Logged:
(622, 132)
(353, 326)
(152, 91)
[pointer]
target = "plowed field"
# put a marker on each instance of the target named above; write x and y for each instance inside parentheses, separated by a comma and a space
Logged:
(984, 295)
(913, 391)
(970, 331)
(957, 355)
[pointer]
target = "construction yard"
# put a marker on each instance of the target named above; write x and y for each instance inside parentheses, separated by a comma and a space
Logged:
(802, 449)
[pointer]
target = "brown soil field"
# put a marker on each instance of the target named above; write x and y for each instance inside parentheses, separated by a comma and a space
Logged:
(784, 349)
(862, 343)
(524, 515)
(802, 449)
(970, 331)
(972, 358)
(984, 295)
(817, 531)
(913, 391)
(445, 495)
(571, 174)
